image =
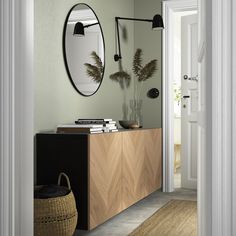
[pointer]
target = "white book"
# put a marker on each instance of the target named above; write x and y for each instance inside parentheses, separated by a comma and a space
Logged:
(96, 132)
(111, 122)
(110, 125)
(96, 129)
(95, 120)
(106, 129)
(112, 128)
(80, 126)
(109, 129)
(89, 125)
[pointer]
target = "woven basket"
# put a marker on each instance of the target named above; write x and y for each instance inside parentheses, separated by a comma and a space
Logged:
(55, 216)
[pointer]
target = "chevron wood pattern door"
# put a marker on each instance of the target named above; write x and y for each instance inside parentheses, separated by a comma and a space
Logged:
(105, 176)
(133, 180)
(124, 167)
(152, 160)
(141, 164)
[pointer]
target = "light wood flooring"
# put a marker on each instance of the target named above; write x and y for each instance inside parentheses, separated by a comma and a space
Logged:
(130, 219)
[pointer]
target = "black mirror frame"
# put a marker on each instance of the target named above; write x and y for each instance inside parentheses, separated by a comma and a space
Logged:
(64, 49)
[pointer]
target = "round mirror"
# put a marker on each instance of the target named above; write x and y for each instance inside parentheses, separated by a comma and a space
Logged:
(83, 46)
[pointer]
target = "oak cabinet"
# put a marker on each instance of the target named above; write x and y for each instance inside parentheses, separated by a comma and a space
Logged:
(105, 177)
(141, 164)
(109, 172)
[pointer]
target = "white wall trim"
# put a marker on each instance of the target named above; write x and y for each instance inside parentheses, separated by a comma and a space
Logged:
(204, 165)
(7, 123)
(16, 118)
(234, 117)
(168, 111)
(222, 135)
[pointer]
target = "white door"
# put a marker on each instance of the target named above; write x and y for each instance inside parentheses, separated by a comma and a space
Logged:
(189, 109)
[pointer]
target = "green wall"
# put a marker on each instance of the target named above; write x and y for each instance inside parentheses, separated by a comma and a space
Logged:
(150, 42)
(56, 101)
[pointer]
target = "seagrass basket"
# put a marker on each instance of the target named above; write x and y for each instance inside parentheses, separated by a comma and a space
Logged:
(55, 216)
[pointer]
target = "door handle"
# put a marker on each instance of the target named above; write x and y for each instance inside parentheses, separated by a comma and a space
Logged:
(191, 78)
(186, 96)
(185, 77)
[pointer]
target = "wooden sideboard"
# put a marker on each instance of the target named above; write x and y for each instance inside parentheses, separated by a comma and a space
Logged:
(108, 172)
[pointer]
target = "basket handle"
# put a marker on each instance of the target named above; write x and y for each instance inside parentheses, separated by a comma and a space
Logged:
(67, 180)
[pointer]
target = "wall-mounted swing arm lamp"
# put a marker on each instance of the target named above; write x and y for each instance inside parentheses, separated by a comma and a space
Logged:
(157, 23)
(79, 28)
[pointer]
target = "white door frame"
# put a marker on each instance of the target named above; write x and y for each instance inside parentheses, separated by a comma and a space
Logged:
(16, 118)
(234, 118)
(223, 118)
(169, 7)
(217, 181)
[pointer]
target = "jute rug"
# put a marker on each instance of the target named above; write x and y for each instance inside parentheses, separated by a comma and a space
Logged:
(176, 218)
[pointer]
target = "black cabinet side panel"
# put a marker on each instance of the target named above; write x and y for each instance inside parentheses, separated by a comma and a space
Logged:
(67, 153)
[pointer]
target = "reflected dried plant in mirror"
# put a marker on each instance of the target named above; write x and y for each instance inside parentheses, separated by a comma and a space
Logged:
(95, 71)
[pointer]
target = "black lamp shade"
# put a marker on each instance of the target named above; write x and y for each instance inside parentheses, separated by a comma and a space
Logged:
(79, 29)
(157, 22)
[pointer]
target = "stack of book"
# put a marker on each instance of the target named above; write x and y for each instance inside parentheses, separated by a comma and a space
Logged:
(84, 129)
(108, 124)
(89, 126)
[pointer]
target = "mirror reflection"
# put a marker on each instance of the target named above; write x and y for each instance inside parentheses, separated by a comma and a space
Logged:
(84, 49)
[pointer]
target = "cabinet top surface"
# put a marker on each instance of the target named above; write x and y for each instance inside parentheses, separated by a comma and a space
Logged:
(119, 131)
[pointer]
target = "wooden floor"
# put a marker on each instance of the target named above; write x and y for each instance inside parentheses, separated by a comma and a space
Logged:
(127, 221)
(177, 217)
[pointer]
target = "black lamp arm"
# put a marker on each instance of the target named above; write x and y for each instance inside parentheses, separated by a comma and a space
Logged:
(118, 56)
(87, 26)
(133, 19)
